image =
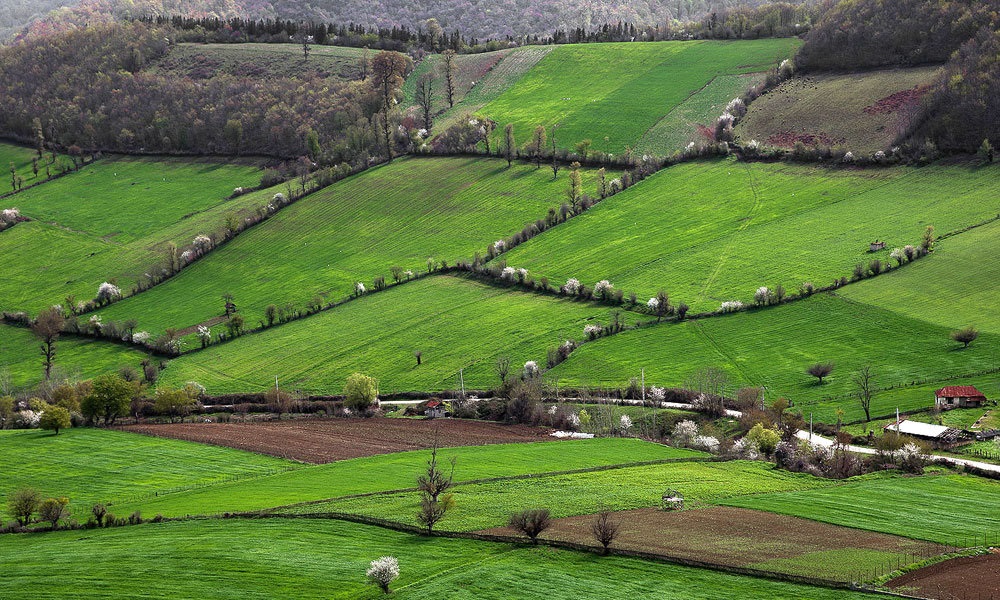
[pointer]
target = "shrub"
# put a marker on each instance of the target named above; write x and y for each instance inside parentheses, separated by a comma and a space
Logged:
(360, 392)
(625, 424)
(764, 439)
(603, 289)
(730, 306)
(531, 522)
(55, 418)
(383, 571)
(23, 503)
(820, 370)
(657, 394)
(605, 529)
(530, 369)
(965, 336)
(54, 510)
(762, 296)
(592, 331)
(572, 286)
(707, 443)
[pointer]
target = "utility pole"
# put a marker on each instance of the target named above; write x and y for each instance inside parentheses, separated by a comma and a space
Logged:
(461, 378)
(643, 372)
(810, 427)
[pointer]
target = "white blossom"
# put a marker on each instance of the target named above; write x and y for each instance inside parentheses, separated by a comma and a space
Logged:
(880, 156)
(530, 369)
(499, 246)
(572, 285)
(474, 122)
(725, 120)
(359, 288)
(28, 418)
(187, 256)
(898, 255)
(573, 420)
(626, 423)
(753, 146)
(552, 409)
(745, 449)
(684, 432)
(421, 133)
(507, 273)
(592, 330)
(95, 322)
(706, 443)
(107, 292)
(762, 295)
(736, 107)
(522, 273)
(237, 191)
(731, 306)
(202, 243)
(383, 571)
(849, 157)
(278, 199)
(603, 288)
(653, 303)
(657, 393)
(204, 333)
(408, 273)
(10, 215)
(140, 337)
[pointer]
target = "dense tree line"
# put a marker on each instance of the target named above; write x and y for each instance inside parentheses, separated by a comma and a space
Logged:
(88, 88)
(863, 34)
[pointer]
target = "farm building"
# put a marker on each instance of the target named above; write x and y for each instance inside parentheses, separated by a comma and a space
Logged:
(925, 431)
(876, 246)
(435, 409)
(959, 396)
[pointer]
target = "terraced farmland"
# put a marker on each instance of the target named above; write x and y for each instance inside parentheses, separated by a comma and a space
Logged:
(861, 112)
(113, 220)
(457, 324)
(613, 94)
(262, 61)
(709, 232)
(401, 214)
(773, 347)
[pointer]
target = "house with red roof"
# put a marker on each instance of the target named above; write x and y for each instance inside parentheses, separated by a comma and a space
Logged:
(959, 396)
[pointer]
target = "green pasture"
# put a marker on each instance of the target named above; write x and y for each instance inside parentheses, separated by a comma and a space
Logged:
(89, 465)
(76, 357)
(262, 61)
(21, 158)
(613, 94)
(773, 347)
(833, 108)
(948, 509)
(487, 505)
(399, 471)
(286, 558)
(713, 231)
(403, 214)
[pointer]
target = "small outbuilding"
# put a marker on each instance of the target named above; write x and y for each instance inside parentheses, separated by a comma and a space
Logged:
(876, 246)
(938, 434)
(672, 500)
(435, 409)
(959, 396)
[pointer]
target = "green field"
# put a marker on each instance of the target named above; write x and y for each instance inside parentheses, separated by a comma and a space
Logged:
(948, 509)
(89, 465)
(708, 232)
(400, 470)
(683, 123)
(282, 558)
(488, 505)
(262, 61)
(832, 107)
(773, 347)
(113, 220)
(400, 214)
(613, 94)
(957, 288)
(456, 323)
(76, 358)
(20, 157)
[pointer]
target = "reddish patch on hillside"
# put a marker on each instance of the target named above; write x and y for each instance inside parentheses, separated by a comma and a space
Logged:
(956, 579)
(895, 102)
(327, 440)
(787, 139)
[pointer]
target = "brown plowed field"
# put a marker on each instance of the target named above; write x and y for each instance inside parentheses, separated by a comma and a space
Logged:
(743, 538)
(969, 578)
(327, 440)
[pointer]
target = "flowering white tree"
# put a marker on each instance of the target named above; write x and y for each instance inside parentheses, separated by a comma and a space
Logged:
(530, 369)
(731, 306)
(603, 288)
(140, 337)
(745, 449)
(95, 323)
(592, 331)
(507, 274)
(706, 443)
(736, 107)
(625, 423)
(408, 273)
(204, 335)
(849, 157)
(762, 295)
(574, 420)
(572, 286)
(753, 146)
(108, 292)
(278, 199)
(657, 394)
(499, 246)
(898, 255)
(383, 571)
(202, 244)
(684, 432)
(653, 304)
(522, 274)
(10, 215)
(359, 288)
(187, 256)
(880, 156)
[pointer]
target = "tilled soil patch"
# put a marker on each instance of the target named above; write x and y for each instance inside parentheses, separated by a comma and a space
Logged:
(967, 578)
(328, 440)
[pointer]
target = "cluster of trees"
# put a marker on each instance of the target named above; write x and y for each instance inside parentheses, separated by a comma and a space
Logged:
(129, 108)
(28, 506)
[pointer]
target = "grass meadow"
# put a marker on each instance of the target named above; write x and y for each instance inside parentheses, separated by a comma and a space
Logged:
(20, 157)
(399, 471)
(714, 231)
(89, 465)
(614, 93)
(833, 107)
(261, 61)
(283, 558)
(402, 214)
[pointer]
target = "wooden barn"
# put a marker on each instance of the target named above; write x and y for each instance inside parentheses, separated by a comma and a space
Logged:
(959, 396)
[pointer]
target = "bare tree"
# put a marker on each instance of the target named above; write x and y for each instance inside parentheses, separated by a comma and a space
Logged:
(509, 143)
(820, 370)
(388, 69)
(965, 336)
(425, 97)
(864, 388)
(537, 145)
(605, 528)
(450, 71)
(503, 368)
(47, 327)
(433, 483)
(555, 163)
(531, 522)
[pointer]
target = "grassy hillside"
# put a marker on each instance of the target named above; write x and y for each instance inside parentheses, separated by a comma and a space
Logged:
(89, 465)
(261, 61)
(921, 507)
(399, 471)
(613, 93)
(862, 112)
(400, 214)
(113, 220)
(322, 559)
(958, 288)
(456, 324)
(20, 157)
(709, 232)
(21, 359)
(773, 348)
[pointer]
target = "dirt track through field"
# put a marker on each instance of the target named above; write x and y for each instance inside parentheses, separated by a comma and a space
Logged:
(968, 578)
(327, 440)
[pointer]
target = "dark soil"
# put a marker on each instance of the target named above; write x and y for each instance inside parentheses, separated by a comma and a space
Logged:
(972, 578)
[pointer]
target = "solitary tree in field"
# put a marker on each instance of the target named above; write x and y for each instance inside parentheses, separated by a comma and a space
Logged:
(605, 528)
(425, 98)
(820, 370)
(388, 69)
(864, 389)
(531, 522)
(55, 418)
(450, 71)
(508, 146)
(383, 571)
(537, 145)
(965, 336)
(433, 485)
(47, 327)
(360, 392)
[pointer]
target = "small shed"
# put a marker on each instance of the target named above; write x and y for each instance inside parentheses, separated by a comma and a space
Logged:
(435, 409)
(876, 246)
(672, 500)
(925, 431)
(959, 396)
